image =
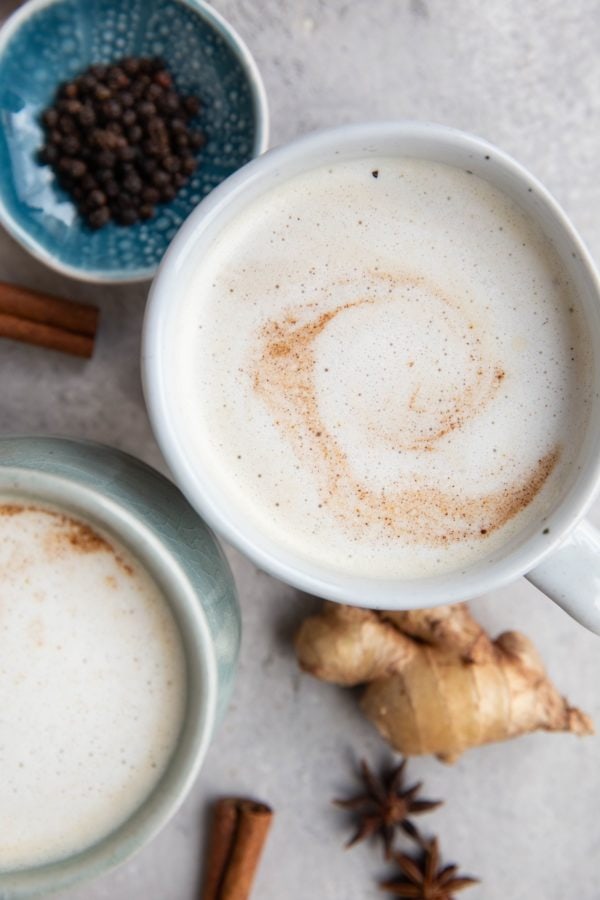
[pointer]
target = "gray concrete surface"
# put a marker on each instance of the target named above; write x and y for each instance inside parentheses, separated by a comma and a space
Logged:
(524, 816)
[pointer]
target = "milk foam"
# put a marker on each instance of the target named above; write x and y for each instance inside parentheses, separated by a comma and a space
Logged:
(92, 685)
(382, 366)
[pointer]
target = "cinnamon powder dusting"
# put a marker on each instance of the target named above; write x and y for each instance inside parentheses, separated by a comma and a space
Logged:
(284, 378)
(67, 534)
(12, 509)
(83, 538)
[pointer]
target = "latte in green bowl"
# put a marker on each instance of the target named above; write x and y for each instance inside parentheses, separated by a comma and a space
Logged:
(118, 640)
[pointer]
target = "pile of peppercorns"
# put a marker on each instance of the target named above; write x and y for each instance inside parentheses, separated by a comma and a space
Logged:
(119, 140)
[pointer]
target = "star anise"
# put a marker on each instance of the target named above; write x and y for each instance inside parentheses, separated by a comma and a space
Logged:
(386, 806)
(423, 879)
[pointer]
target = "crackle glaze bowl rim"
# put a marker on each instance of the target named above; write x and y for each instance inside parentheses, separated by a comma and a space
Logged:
(11, 26)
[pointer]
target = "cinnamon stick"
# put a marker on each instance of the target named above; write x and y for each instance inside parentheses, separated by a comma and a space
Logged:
(48, 310)
(47, 321)
(254, 821)
(46, 336)
(222, 836)
(240, 829)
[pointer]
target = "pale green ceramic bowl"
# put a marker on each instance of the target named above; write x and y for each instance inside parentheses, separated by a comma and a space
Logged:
(147, 513)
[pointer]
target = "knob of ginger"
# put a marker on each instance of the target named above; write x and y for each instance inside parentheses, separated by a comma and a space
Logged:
(436, 682)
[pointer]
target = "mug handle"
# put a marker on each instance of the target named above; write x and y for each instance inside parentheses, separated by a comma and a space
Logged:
(570, 575)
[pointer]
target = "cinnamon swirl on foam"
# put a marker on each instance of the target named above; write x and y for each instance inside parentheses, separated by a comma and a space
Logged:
(386, 373)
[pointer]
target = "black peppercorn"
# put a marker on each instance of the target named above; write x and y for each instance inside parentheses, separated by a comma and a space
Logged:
(102, 92)
(88, 83)
(163, 79)
(64, 164)
(111, 109)
(178, 126)
(87, 116)
(127, 153)
(102, 138)
(171, 164)
(148, 165)
(129, 118)
(111, 188)
(103, 176)
(131, 65)
(98, 70)
(160, 178)
(70, 90)
(150, 149)
(146, 109)
(105, 159)
(157, 130)
(191, 106)
(134, 134)
(182, 140)
(189, 164)
(126, 99)
(88, 182)
(170, 103)
(99, 217)
(133, 183)
(50, 118)
(118, 79)
(197, 140)
(67, 124)
(71, 144)
(97, 198)
(73, 107)
(48, 155)
(153, 91)
(168, 193)
(150, 195)
(78, 169)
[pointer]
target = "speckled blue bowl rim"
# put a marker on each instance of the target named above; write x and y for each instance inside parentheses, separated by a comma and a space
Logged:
(261, 138)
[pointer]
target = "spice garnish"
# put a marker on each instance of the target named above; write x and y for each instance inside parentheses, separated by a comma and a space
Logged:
(424, 879)
(120, 139)
(239, 831)
(386, 806)
(47, 321)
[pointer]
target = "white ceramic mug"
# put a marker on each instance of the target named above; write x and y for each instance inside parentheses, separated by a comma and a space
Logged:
(560, 555)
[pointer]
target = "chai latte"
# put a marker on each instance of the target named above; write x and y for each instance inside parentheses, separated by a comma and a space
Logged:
(92, 684)
(382, 365)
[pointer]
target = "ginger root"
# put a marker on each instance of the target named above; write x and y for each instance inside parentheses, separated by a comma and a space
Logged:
(436, 682)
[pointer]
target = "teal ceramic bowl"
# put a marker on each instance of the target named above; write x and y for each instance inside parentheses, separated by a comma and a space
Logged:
(46, 42)
(145, 512)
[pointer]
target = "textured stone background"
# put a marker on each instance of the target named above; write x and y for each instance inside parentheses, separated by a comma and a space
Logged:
(523, 816)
